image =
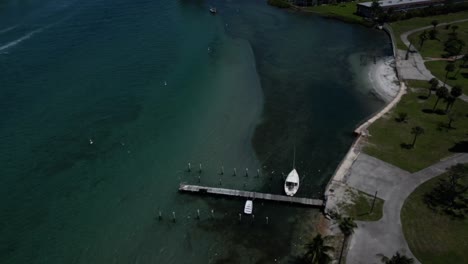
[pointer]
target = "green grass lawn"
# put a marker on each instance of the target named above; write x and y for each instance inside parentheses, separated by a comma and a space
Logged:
(343, 11)
(432, 237)
(402, 26)
(360, 210)
(435, 48)
(437, 68)
(388, 135)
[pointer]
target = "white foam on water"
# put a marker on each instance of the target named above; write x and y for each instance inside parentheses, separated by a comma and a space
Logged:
(23, 38)
(5, 30)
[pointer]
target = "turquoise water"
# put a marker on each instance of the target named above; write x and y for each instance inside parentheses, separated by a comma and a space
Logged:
(155, 85)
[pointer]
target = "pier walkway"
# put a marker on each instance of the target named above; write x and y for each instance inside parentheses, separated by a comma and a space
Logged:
(251, 195)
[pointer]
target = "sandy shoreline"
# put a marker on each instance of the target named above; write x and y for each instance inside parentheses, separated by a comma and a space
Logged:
(383, 79)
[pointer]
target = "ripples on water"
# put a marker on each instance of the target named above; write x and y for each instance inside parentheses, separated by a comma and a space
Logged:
(154, 85)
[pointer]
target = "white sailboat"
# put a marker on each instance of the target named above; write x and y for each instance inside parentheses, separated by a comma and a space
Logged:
(291, 185)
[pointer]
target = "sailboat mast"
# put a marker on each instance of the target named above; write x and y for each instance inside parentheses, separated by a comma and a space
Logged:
(294, 159)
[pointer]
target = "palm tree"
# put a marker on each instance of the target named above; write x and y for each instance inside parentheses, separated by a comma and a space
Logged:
(454, 28)
(434, 23)
(450, 67)
(396, 259)
(416, 131)
(465, 59)
(442, 92)
(422, 39)
(434, 84)
(347, 226)
(317, 251)
(449, 100)
(454, 94)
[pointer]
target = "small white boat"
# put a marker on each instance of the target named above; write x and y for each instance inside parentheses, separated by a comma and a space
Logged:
(213, 10)
(291, 185)
(248, 208)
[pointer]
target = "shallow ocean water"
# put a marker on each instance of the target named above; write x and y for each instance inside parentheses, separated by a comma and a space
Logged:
(155, 85)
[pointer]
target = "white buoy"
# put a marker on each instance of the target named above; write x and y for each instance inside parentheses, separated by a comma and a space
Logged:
(235, 172)
(198, 214)
(173, 217)
(266, 218)
(200, 168)
(246, 172)
(240, 217)
(212, 214)
(253, 217)
(91, 141)
(189, 167)
(160, 215)
(199, 179)
(258, 173)
(222, 170)
(165, 83)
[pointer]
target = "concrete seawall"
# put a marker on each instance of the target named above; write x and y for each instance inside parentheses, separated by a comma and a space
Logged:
(361, 131)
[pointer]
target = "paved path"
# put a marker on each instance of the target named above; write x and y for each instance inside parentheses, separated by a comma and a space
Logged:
(404, 36)
(394, 186)
(413, 67)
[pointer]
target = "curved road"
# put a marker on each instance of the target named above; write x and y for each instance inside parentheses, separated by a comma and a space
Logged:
(394, 185)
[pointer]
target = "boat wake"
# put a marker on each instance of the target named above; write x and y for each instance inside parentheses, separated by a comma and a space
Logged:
(21, 39)
(7, 29)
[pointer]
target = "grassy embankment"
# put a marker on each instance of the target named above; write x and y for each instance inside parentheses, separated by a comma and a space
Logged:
(389, 139)
(432, 237)
(403, 26)
(435, 49)
(341, 11)
(361, 206)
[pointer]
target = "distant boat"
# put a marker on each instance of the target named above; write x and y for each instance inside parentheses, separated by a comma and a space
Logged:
(248, 207)
(213, 10)
(291, 185)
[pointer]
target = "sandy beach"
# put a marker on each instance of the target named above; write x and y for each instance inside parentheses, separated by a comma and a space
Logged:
(383, 78)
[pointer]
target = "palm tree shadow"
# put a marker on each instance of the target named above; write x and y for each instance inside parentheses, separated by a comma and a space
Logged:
(460, 147)
(406, 146)
(297, 260)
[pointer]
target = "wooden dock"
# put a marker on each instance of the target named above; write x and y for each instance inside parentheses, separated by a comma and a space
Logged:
(250, 195)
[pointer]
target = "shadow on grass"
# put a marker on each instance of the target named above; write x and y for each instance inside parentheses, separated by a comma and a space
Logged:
(423, 97)
(437, 111)
(406, 146)
(444, 127)
(461, 146)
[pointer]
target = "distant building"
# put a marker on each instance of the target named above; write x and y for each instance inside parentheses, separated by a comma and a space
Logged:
(364, 9)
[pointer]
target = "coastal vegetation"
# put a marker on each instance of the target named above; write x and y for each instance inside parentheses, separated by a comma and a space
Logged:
(396, 259)
(318, 251)
(444, 128)
(449, 48)
(439, 69)
(342, 11)
(433, 235)
(402, 26)
(450, 195)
